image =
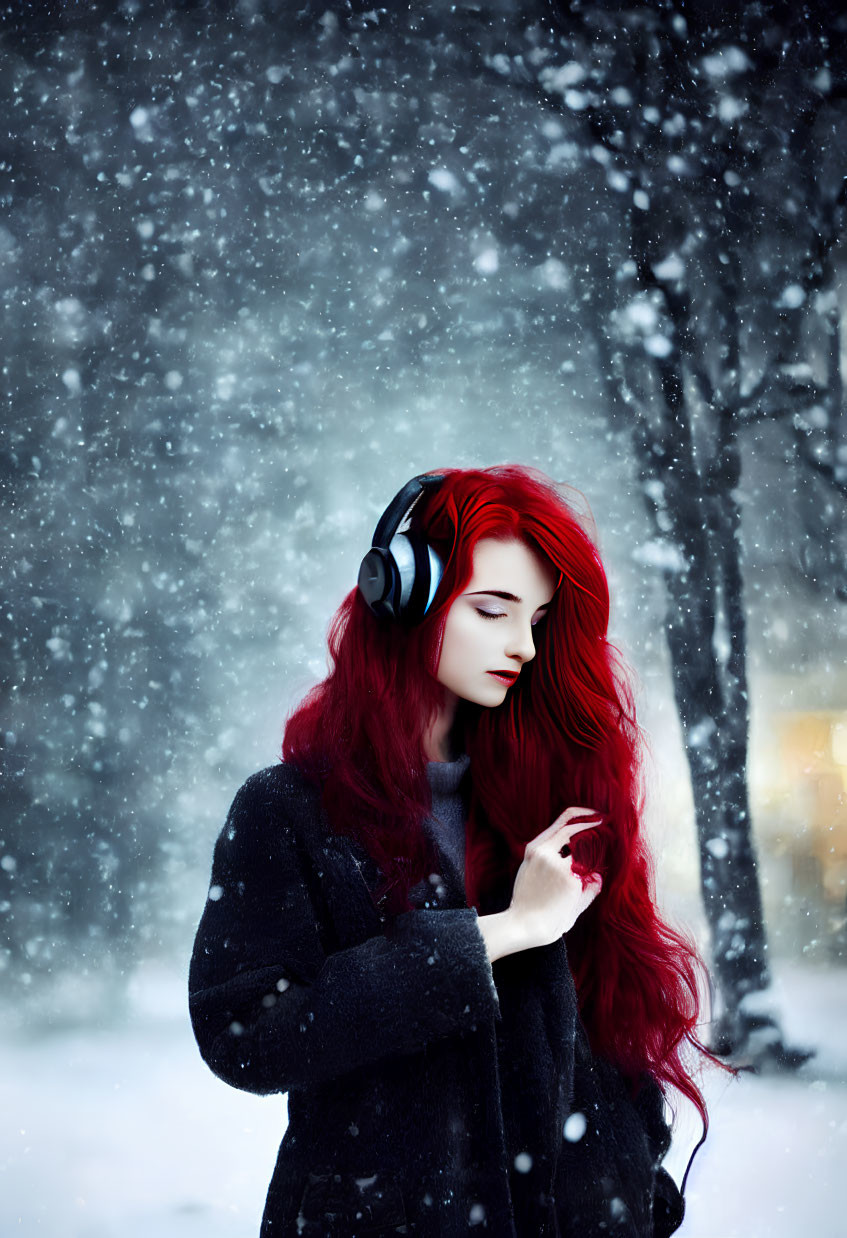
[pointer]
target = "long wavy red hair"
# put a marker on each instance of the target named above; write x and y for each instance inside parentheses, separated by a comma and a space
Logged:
(565, 735)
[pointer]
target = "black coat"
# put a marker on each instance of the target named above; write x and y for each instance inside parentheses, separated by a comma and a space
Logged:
(428, 1089)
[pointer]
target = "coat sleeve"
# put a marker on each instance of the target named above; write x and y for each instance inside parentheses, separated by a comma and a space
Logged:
(609, 1172)
(270, 1010)
(668, 1203)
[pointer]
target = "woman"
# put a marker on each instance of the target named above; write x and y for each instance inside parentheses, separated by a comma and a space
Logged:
(432, 924)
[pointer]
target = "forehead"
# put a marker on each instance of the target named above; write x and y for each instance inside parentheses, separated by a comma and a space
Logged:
(513, 567)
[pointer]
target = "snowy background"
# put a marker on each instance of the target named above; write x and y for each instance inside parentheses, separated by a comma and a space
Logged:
(260, 264)
(122, 1131)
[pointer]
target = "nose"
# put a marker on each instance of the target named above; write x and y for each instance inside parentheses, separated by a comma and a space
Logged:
(520, 644)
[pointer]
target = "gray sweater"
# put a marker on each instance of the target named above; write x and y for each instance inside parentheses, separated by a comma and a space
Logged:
(446, 826)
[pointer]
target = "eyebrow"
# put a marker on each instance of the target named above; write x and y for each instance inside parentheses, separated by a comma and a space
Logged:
(507, 597)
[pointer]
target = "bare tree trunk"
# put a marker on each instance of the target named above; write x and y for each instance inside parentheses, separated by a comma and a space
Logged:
(740, 942)
(693, 512)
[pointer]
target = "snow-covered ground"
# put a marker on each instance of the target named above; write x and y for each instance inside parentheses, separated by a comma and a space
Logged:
(775, 1161)
(124, 1133)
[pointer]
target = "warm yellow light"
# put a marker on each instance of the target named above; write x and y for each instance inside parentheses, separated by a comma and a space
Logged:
(839, 743)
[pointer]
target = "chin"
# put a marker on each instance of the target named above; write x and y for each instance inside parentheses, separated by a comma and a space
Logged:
(493, 694)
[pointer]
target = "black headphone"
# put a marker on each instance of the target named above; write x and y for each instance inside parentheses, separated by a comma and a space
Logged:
(400, 573)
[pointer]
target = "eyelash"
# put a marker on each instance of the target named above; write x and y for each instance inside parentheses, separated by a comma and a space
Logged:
(500, 614)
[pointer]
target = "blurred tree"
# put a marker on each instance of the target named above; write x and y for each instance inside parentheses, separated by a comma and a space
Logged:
(719, 133)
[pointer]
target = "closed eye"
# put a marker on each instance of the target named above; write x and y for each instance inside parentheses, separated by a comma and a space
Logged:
(500, 614)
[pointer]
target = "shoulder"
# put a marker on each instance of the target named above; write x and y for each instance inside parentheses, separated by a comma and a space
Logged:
(275, 785)
(275, 803)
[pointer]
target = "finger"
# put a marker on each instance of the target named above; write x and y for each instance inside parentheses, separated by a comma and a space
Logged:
(593, 885)
(563, 819)
(590, 889)
(573, 814)
(564, 848)
(567, 832)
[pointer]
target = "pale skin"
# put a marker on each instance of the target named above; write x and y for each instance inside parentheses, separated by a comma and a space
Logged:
(514, 584)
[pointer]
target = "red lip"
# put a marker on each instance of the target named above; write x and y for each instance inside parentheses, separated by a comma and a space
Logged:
(507, 677)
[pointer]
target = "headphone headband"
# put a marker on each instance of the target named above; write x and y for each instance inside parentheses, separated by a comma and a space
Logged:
(400, 506)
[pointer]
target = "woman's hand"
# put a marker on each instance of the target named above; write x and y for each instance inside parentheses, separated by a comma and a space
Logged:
(548, 896)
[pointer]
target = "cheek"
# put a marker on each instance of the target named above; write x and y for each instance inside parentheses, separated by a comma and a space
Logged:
(461, 647)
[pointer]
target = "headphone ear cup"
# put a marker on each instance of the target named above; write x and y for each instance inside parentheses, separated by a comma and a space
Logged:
(420, 570)
(378, 581)
(400, 582)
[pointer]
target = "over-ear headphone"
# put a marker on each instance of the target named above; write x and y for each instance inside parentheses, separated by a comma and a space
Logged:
(400, 573)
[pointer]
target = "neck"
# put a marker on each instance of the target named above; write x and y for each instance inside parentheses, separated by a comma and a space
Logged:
(438, 737)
